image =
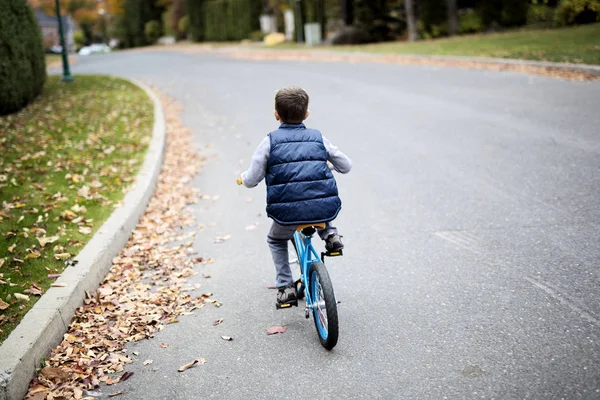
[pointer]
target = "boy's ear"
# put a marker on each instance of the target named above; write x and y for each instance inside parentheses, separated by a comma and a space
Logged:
(277, 117)
(307, 114)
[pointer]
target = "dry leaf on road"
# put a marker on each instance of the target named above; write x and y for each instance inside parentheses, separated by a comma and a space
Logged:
(198, 361)
(59, 285)
(125, 376)
(276, 329)
(115, 394)
(228, 338)
(218, 322)
(164, 345)
(147, 362)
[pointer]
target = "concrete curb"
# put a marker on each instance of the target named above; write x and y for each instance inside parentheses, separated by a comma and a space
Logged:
(44, 325)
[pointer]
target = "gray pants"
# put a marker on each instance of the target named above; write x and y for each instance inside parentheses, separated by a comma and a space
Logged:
(278, 239)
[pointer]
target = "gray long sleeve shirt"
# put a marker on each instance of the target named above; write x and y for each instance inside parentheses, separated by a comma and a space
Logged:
(258, 166)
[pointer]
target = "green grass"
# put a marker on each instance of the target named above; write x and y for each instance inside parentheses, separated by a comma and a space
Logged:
(579, 44)
(65, 162)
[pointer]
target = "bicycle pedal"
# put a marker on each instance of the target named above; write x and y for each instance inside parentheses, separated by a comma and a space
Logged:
(332, 253)
(286, 305)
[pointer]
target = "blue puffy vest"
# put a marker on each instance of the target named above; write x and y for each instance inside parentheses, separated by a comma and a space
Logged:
(300, 186)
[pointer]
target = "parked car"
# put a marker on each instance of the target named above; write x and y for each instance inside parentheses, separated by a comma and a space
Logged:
(94, 48)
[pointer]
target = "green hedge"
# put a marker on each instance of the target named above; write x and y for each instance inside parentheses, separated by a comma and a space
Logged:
(22, 59)
(223, 20)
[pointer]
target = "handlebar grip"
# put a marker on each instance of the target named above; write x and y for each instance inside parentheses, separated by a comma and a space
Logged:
(239, 181)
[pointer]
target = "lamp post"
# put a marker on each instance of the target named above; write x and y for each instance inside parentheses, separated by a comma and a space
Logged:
(67, 77)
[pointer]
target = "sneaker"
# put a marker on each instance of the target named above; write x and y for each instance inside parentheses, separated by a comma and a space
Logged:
(287, 294)
(334, 243)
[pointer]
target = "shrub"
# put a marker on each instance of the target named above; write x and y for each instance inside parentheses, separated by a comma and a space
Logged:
(469, 22)
(257, 36)
(79, 38)
(183, 25)
(540, 15)
(22, 59)
(152, 30)
(571, 12)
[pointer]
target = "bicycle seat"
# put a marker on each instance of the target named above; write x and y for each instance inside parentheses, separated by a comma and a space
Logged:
(309, 229)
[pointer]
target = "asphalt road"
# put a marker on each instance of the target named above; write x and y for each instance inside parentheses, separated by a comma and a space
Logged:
(471, 221)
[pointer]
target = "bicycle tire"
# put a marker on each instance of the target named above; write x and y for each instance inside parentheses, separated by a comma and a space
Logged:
(319, 277)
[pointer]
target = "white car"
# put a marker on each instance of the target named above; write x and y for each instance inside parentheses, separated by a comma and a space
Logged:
(94, 48)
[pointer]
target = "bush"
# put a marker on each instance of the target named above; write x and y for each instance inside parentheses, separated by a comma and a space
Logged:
(540, 15)
(183, 25)
(503, 12)
(22, 59)
(469, 22)
(577, 12)
(153, 31)
(221, 20)
(257, 36)
(79, 38)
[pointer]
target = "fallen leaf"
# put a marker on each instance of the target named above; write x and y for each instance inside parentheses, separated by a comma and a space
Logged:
(164, 345)
(199, 361)
(125, 376)
(11, 248)
(206, 276)
(21, 218)
(21, 297)
(85, 230)
(218, 322)
(3, 305)
(34, 290)
(136, 353)
(45, 240)
(221, 239)
(276, 329)
(249, 200)
(271, 287)
(228, 338)
(33, 255)
(59, 285)
(115, 394)
(53, 276)
(147, 362)
(55, 373)
(62, 256)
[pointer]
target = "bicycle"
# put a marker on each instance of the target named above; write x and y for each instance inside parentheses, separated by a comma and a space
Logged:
(319, 298)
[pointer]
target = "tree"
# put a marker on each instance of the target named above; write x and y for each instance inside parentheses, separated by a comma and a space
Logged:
(347, 11)
(22, 60)
(411, 20)
(452, 17)
(84, 12)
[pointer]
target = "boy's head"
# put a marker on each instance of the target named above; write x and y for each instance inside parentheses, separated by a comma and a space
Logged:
(291, 105)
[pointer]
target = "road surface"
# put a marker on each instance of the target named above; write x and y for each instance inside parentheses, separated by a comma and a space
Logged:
(471, 221)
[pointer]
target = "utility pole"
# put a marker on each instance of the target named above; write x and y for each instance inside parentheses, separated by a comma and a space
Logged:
(67, 77)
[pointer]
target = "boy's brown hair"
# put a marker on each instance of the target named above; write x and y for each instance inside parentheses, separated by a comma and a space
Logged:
(291, 103)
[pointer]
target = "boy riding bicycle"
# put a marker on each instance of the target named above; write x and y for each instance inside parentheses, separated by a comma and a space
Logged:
(300, 186)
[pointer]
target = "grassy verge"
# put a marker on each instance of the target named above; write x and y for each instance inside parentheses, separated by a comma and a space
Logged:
(579, 44)
(66, 161)
(55, 60)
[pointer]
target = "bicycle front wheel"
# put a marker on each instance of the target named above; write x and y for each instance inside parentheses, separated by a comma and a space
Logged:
(324, 305)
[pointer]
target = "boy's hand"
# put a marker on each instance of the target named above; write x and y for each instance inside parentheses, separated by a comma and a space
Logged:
(239, 180)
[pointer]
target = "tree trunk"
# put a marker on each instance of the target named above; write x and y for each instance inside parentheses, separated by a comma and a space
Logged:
(348, 11)
(452, 17)
(411, 20)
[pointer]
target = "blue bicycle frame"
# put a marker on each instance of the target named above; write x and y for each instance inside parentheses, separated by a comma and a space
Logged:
(306, 256)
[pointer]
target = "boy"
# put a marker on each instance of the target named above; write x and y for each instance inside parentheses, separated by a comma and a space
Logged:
(300, 186)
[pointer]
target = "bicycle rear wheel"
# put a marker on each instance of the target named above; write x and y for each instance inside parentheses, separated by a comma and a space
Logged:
(325, 305)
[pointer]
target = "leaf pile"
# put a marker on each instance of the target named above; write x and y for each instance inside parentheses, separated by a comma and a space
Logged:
(65, 162)
(290, 55)
(144, 290)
